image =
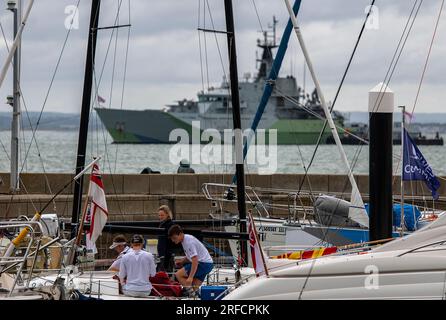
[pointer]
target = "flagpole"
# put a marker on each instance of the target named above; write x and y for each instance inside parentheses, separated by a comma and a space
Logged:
(403, 120)
(84, 214)
(81, 223)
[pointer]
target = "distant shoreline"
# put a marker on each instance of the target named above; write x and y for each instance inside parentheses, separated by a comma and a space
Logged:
(58, 121)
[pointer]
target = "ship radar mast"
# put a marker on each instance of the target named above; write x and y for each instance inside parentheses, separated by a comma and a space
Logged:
(267, 45)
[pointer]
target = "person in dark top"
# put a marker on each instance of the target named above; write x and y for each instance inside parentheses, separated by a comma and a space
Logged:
(185, 167)
(149, 170)
(165, 245)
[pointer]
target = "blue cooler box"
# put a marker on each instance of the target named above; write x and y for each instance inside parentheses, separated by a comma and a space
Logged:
(212, 292)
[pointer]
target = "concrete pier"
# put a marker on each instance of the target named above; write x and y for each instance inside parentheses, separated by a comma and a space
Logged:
(136, 197)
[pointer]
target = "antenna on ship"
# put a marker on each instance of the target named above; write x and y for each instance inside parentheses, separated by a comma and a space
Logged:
(267, 45)
(275, 21)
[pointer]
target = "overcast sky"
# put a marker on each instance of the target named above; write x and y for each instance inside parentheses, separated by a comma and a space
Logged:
(164, 55)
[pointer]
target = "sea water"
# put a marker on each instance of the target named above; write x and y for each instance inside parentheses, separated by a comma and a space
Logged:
(55, 152)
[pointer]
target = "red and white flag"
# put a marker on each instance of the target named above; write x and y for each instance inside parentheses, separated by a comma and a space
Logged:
(98, 208)
(257, 256)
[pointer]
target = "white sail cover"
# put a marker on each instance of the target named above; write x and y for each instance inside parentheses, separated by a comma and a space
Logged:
(357, 210)
(98, 208)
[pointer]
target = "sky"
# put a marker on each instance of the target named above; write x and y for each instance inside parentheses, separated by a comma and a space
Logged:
(164, 64)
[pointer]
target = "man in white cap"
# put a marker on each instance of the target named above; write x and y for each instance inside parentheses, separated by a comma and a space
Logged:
(121, 247)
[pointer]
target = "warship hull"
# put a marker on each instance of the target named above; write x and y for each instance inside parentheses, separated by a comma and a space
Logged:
(156, 126)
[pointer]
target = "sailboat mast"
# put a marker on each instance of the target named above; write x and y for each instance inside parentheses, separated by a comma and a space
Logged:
(356, 197)
(16, 9)
(236, 117)
(403, 126)
(14, 45)
(85, 112)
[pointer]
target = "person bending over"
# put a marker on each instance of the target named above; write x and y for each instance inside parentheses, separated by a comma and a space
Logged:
(198, 262)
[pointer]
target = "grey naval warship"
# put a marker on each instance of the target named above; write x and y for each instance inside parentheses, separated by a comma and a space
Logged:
(296, 115)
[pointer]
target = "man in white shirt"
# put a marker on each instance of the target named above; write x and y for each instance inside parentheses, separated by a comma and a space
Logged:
(137, 266)
(198, 262)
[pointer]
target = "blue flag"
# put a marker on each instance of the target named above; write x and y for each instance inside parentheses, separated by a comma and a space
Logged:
(415, 167)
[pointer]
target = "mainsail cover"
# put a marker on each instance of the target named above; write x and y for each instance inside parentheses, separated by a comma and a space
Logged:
(357, 210)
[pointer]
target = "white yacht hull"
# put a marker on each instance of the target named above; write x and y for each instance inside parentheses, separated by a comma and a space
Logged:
(416, 285)
(412, 267)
